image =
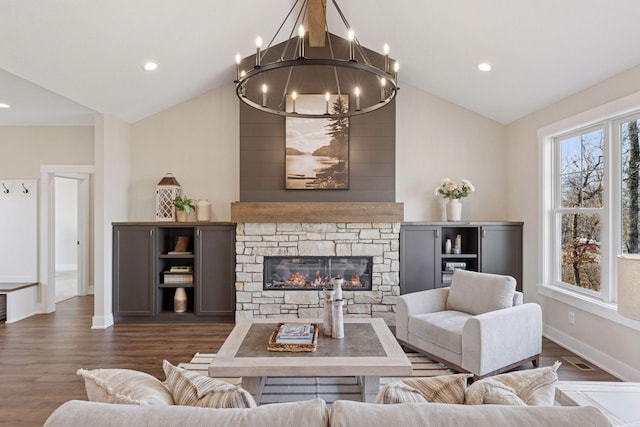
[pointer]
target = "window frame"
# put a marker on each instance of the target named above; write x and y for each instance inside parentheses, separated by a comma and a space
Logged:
(556, 210)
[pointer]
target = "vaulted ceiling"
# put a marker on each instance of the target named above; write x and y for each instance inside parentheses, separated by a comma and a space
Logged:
(62, 60)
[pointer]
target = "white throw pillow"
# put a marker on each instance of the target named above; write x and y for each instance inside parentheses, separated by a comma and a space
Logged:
(124, 386)
(532, 387)
(192, 389)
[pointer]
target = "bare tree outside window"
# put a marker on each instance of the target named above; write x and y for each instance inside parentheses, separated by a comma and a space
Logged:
(581, 181)
(630, 149)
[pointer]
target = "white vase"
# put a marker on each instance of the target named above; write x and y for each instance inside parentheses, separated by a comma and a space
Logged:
(454, 210)
(203, 210)
(180, 301)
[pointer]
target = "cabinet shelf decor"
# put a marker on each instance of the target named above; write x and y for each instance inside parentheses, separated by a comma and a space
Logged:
(428, 261)
(152, 261)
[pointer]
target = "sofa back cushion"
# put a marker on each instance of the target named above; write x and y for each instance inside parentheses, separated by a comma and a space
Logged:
(477, 293)
(308, 413)
(345, 413)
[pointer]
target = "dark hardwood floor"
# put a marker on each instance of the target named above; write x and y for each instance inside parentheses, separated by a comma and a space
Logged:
(39, 356)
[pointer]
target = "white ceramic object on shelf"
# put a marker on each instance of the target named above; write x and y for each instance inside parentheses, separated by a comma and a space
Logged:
(337, 327)
(180, 301)
(328, 312)
(203, 210)
(454, 210)
(447, 246)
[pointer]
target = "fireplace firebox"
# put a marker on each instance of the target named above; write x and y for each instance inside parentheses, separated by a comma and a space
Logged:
(316, 272)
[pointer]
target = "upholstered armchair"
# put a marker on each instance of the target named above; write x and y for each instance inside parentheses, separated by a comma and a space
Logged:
(479, 324)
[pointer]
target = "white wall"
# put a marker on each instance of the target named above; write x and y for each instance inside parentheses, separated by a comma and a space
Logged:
(25, 148)
(437, 139)
(111, 198)
(607, 343)
(198, 141)
(66, 223)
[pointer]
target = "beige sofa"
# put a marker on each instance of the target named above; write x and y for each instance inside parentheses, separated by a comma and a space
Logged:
(315, 412)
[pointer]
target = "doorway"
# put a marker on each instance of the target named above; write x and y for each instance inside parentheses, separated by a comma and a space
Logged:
(66, 249)
(67, 241)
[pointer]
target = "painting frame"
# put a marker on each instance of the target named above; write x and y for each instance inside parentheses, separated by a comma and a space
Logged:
(317, 149)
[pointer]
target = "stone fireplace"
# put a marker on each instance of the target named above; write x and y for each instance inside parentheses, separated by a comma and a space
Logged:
(334, 231)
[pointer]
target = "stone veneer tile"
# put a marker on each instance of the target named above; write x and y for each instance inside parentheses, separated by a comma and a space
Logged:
(301, 297)
(289, 226)
(259, 228)
(369, 234)
(319, 227)
(323, 248)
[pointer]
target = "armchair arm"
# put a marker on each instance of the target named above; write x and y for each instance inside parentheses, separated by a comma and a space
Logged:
(496, 339)
(422, 302)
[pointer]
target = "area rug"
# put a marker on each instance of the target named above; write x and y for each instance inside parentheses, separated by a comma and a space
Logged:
(330, 389)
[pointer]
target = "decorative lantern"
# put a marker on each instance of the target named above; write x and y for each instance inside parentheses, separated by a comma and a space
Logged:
(166, 191)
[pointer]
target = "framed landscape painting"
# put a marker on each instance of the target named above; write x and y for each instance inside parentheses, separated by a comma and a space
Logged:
(317, 150)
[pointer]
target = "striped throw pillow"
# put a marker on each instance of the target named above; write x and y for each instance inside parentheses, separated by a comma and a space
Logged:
(124, 386)
(192, 389)
(441, 389)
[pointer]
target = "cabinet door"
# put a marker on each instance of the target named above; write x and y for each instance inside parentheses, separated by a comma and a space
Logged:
(501, 251)
(133, 260)
(215, 260)
(418, 246)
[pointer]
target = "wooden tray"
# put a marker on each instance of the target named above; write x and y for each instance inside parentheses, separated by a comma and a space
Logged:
(275, 346)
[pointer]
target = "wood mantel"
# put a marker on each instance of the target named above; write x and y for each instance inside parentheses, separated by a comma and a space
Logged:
(317, 212)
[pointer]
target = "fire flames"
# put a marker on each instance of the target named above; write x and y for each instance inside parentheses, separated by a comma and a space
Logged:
(299, 280)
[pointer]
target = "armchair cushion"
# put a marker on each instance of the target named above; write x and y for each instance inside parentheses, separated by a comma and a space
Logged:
(477, 293)
(443, 328)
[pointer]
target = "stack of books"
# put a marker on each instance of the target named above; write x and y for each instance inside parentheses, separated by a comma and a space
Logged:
(295, 333)
(179, 274)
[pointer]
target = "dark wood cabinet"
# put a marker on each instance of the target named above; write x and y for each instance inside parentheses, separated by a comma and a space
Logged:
(426, 262)
(418, 248)
(152, 261)
(502, 251)
(215, 293)
(133, 258)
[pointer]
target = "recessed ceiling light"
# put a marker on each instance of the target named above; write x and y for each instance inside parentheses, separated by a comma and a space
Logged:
(150, 66)
(484, 66)
(3, 105)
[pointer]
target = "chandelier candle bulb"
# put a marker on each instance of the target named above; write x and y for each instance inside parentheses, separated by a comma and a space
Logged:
(352, 49)
(301, 36)
(396, 68)
(326, 98)
(264, 95)
(383, 83)
(357, 92)
(238, 58)
(258, 46)
(385, 49)
(294, 95)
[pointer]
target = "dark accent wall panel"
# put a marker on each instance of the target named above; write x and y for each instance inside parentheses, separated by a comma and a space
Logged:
(371, 159)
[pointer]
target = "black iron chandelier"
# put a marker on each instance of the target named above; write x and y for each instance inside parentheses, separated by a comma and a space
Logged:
(353, 79)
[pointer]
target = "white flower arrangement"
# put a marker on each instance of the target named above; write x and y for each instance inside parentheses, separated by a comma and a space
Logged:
(452, 190)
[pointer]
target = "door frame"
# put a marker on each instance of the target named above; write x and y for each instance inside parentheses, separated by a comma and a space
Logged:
(47, 229)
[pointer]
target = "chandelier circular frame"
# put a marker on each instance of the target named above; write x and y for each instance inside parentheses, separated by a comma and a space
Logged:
(328, 62)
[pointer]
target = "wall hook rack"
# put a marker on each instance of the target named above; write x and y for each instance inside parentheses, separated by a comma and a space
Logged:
(6, 190)
(25, 190)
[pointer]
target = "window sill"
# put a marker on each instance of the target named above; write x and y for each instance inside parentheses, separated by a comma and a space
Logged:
(598, 308)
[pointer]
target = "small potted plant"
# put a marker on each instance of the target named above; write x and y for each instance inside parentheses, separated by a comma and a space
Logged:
(184, 207)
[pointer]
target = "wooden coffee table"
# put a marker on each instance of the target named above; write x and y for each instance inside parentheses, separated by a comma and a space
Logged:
(368, 351)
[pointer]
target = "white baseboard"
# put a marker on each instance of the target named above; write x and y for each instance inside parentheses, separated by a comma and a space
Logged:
(102, 322)
(604, 361)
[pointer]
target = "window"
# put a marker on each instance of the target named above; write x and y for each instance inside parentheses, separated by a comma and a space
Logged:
(591, 199)
(578, 209)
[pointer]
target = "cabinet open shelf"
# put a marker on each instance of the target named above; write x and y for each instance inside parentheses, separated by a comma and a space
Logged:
(176, 285)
